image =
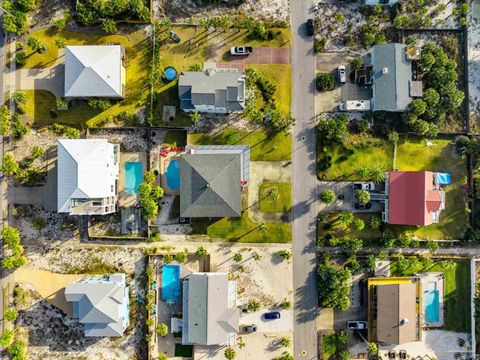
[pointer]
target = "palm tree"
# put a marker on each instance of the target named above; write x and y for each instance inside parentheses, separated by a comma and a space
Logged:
(274, 195)
(195, 116)
(377, 174)
(345, 218)
(262, 228)
(362, 172)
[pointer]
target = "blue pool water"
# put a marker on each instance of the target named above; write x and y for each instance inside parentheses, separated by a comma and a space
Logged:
(173, 175)
(432, 306)
(170, 282)
(133, 177)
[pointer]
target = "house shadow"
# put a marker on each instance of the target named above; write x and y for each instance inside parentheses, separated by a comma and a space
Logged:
(51, 79)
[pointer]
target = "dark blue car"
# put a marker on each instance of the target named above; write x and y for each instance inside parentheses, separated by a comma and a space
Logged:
(272, 315)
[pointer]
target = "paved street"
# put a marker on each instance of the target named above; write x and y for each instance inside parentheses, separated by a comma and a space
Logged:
(304, 184)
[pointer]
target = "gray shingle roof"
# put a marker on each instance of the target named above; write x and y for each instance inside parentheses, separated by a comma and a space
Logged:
(211, 88)
(208, 318)
(392, 74)
(210, 185)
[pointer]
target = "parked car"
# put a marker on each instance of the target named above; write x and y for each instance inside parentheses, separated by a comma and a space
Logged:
(356, 325)
(248, 329)
(342, 74)
(310, 27)
(364, 186)
(272, 315)
(359, 206)
(241, 50)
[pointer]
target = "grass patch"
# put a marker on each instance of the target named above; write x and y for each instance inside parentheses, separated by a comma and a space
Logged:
(361, 149)
(175, 138)
(243, 229)
(137, 62)
(457, 292)
(94, 266)
(264, 146)
(280, 75)
(267, 201)
(330, 346)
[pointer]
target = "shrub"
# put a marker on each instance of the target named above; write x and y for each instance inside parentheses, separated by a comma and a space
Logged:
(201, 252)
(60, 43)
(230, 353)
(162, 330)
(325, 82)
(6, 338)
(9, 165)
(327, 196)
(20, 58)
(285, 341)
(238, 257)
(284, 254)
(285, 304)
(109, 26)
(363, 196)
(36, 45)
(359, 224)
(181, 257)
(357, 62)
(99, 104)
(68, 131)
(253, 305)
(20, 100)
(11, 314)
(319, 45)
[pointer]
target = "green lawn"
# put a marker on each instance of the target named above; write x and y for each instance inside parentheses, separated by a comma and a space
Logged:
(175, 138)
(198, 45)
(457, 292)
(357, 150)
(330, 346)
(264, 146)
(137, 62)
(266, 201)
(243, 229)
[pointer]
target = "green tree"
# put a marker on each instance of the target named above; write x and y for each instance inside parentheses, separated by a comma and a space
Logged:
(60, 42)
(284, 254)
(372, 348)
(377, 174)
(109, 26)
(181, 257)
(4, 120)
(344, 355)
(333, 287)
(285, 341)
(253, 305)
(201, 252)
(36, 45)
(359, 224)
(345, 218)
(431, 97)
(9, 165)
(418, 106)
(162, 330)
(357, 62)
(327, 196)
(375, 222)
(11, 314)
(238, 257)
(6, 337)
(363, 196)
(195, 116)
(230, 353)
(369, 263)
(325, 82)
(426, 60)
(343, 337)
(37, 152)
(10, 236)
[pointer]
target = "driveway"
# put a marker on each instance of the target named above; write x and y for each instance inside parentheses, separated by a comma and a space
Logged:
(284, 324)
(344, 188)
(262, 55)
(49, 78)
(261, 171)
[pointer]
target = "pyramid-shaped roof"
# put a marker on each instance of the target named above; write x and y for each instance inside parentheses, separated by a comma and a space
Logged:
(210, 185)
(93, 71)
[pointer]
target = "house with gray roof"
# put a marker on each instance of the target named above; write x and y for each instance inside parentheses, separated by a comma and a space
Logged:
(211, 180)
(210, 315)
(393, 84)
(101, 304)
(217, 91)
(94, 71)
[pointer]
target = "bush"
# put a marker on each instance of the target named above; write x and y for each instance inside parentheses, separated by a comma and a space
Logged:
(60, 43)
(363, 196)
(162, 330)
(325, 82)
(284, 254)
(99, 104)
(285, 304)
(11, 314)
(253, 305)
(181, 257)
(327, 196)
(319, 45)
(333, 287)
(230, 353)
(36, 45)
(201, 252)
(9, 165)
(109, 26)
(20, 58)
(68, 131)
(238, 257)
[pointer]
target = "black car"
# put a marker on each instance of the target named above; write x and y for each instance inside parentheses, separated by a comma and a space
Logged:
(367, 206)
(310, 27)
(272, 315)
(248, 329)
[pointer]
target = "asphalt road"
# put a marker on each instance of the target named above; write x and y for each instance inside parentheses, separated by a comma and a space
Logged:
(304, 184)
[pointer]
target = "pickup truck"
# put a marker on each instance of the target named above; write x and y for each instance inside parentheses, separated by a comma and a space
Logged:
(241, 50)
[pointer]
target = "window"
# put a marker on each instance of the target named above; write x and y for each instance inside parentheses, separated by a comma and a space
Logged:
(97, 203)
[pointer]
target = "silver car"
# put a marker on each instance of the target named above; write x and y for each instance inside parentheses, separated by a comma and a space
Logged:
(342, 74)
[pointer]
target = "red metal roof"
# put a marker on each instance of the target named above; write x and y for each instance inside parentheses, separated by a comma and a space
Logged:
(412, 197)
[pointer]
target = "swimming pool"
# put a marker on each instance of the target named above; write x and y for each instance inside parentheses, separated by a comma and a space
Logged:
(431, 298)
(173, 175)
(170, 282)
(133, 177)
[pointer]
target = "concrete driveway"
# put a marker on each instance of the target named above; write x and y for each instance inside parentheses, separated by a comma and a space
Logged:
(284, 324)
(50, 78)
(348, 203)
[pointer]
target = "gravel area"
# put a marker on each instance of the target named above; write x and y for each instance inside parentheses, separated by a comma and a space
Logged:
(43, 138)
(131, 140)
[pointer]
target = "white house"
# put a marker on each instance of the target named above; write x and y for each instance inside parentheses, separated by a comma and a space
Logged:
(94, 71)
(87, 175)
(212, 91)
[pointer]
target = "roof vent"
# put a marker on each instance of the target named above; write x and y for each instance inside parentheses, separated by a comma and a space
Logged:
(385, 70)
(404, 322)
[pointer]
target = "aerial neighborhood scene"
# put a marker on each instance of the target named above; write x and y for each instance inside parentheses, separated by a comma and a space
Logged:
(240, 179)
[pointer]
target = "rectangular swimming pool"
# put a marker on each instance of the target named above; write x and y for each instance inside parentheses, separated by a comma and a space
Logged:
(170, 282)
(133, 177)
(431, 298)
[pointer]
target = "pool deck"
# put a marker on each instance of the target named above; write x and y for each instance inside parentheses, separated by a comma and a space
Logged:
(124, 199)
(164, 162)
(438, 279)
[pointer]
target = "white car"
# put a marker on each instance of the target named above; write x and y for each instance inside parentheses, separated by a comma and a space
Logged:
(364, 186)
(342, 74)
(357, 325)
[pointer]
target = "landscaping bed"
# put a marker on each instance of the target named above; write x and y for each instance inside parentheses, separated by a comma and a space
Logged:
(275, 197)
